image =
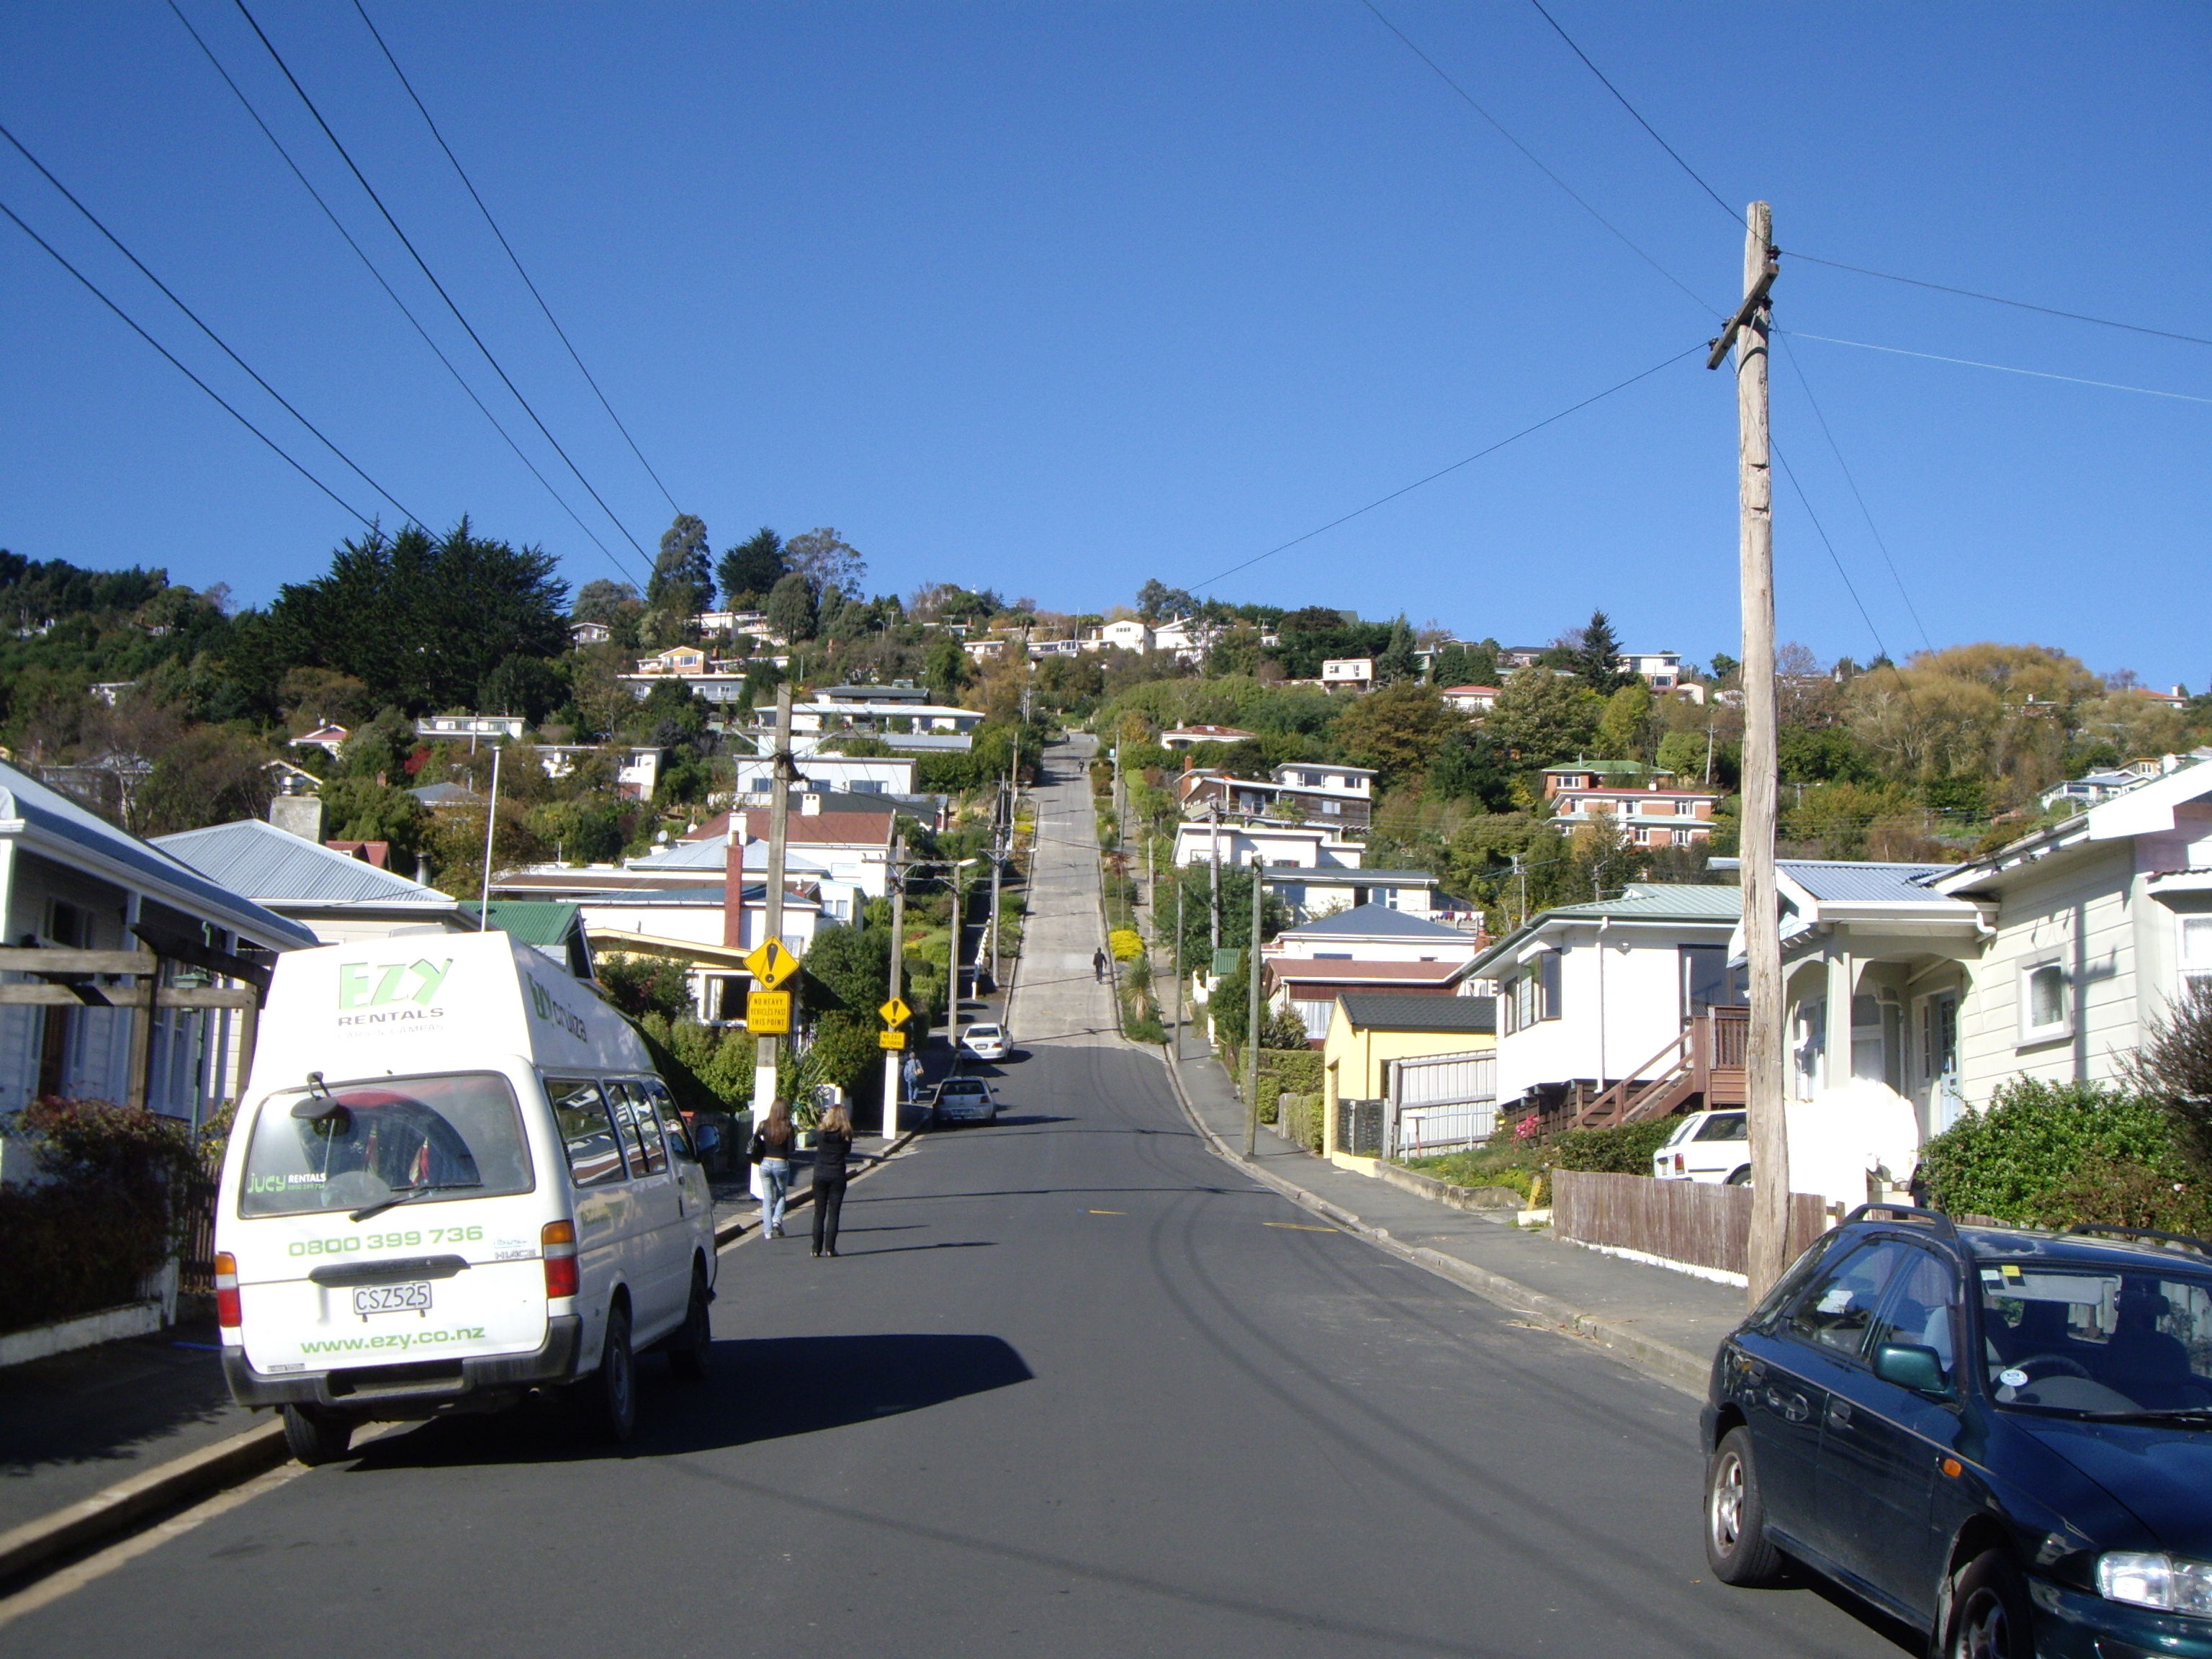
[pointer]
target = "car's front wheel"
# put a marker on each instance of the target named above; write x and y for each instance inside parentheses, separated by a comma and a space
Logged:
(1990, 1615)
(1737, 1547)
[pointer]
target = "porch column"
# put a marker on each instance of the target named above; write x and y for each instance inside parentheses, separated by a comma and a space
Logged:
(1842, 978)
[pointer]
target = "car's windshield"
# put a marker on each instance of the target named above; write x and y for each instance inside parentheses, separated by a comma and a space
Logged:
(962, 1086)
(983, 1030)
(2097, 1340)
(356, 1146)
(1722, 1126)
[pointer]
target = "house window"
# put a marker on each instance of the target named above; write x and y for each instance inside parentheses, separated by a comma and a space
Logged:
(2196, 951)
(2044, 1014)
(1681, 838)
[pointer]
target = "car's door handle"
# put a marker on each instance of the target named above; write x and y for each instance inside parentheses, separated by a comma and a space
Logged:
(1794, 1407)
(1840, 1413)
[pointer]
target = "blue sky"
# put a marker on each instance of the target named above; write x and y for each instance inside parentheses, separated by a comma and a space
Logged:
(1054, 298)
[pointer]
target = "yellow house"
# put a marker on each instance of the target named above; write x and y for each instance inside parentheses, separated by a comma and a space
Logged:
(1451, 1101)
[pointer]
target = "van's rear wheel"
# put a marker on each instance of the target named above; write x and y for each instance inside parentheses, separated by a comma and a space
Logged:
(610, 1394)
(690, 1348)
(315, 1436)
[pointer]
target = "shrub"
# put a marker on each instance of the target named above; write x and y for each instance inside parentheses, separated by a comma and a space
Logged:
(1126, 943)
(643, 985)
(2042, 1151)
(2174, 1068)
(1506, 1166)
(105, 1216)
(1625, 1149)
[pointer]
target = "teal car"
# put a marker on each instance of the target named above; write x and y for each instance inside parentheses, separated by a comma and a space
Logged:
(2003, 1437)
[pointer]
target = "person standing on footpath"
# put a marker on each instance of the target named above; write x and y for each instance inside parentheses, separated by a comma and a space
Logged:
(771, 1156)
(833, 1146)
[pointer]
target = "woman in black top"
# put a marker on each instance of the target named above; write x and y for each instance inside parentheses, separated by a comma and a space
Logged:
(833, 1146)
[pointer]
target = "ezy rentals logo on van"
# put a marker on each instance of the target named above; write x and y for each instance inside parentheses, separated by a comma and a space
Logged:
(403, 991)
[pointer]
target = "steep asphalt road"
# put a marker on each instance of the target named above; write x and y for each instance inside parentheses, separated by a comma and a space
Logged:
(1076, 1388)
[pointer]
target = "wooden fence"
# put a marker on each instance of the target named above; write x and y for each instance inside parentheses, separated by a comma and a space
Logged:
(1684, 1221)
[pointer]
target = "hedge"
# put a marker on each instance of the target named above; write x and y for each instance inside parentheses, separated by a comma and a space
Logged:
(2062, 1153)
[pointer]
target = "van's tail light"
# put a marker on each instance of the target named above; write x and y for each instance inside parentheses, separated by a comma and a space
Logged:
(562, 1278)
(225, 1291)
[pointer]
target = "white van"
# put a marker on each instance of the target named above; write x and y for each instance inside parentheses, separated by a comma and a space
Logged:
(455, 1177)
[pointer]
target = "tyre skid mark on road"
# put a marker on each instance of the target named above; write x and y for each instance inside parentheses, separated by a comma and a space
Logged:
(1555, 1558)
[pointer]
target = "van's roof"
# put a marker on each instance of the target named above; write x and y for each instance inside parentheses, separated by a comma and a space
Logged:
(419, 1003)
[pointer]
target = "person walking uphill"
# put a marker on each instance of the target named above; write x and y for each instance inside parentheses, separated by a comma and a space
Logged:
(833, 1146)
(1098, 966)
(771, 1156)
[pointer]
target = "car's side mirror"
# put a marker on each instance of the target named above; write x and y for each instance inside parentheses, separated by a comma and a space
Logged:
(1910, 1366)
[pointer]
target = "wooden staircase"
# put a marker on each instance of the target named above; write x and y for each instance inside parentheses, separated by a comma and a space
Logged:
(1701, 1067)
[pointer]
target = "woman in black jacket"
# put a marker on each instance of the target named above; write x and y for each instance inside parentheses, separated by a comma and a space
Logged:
(833, 1146)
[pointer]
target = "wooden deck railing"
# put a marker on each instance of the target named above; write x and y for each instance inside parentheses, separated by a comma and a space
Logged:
(1705, 1062)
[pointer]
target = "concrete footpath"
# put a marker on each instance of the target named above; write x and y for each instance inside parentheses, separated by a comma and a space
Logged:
(1665, 1324)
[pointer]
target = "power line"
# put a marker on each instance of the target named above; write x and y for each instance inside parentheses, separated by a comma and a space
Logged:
(1733, 217)
(1999, 300)
(117, 242)
(2004, 369)
(1536, 161)
(1849, 587)
(1864, 511)
(424, 266)
(338, 224)
(1443, 471)
(134, 327)
(515, 260)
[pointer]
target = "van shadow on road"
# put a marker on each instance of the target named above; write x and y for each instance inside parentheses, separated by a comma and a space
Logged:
(759, 1388)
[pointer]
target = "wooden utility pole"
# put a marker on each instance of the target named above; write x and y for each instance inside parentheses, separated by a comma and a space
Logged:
(1177, 959)
(1251, 1043)
(1213, 843)
(894, 1059)
(778, 825)
(1767, 1124)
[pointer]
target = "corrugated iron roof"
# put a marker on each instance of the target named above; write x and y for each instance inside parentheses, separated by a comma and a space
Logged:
(279, 868)
(25, 799)
(1372, 921)
(1660, 900)
(1862, 883)
(534, 921)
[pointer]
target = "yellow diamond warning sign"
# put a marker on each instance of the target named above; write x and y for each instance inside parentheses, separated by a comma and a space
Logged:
(771, 964)
(895, 1013)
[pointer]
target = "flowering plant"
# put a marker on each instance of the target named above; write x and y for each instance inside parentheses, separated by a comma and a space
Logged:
(1526, 1128)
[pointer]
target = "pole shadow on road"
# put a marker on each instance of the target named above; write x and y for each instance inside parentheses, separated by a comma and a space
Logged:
(759, 1388)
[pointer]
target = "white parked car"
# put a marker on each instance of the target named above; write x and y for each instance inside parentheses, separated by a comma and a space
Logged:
(456, 1179)
(985, 1041)
(1707, 1146)
(965, 1099)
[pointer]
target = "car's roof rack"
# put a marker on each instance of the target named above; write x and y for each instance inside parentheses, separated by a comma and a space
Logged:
(2188, 1240)
(1935, 1218)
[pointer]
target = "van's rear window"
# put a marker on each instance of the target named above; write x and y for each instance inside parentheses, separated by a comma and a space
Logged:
(354, 1145)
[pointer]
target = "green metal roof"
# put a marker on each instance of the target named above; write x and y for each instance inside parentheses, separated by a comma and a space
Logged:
(534, 921)
(1659, 901)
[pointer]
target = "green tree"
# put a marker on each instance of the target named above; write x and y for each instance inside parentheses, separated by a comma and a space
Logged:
(528, 686)
(422, 620)
(682, 580)
(750, 571)
(1622, 728)
(1398, 730)
(1396, 661)
(1542, 718)
(790, 608)
(1683, 753)
(946, 668)
(604, 600)
(1593, 652)
(361, 809)
(646, 985)
(827, 559)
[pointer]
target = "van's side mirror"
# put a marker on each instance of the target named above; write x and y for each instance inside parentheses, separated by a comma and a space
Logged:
(1910, 1366)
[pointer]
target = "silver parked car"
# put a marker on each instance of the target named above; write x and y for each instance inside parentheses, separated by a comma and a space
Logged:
(964, 1100)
